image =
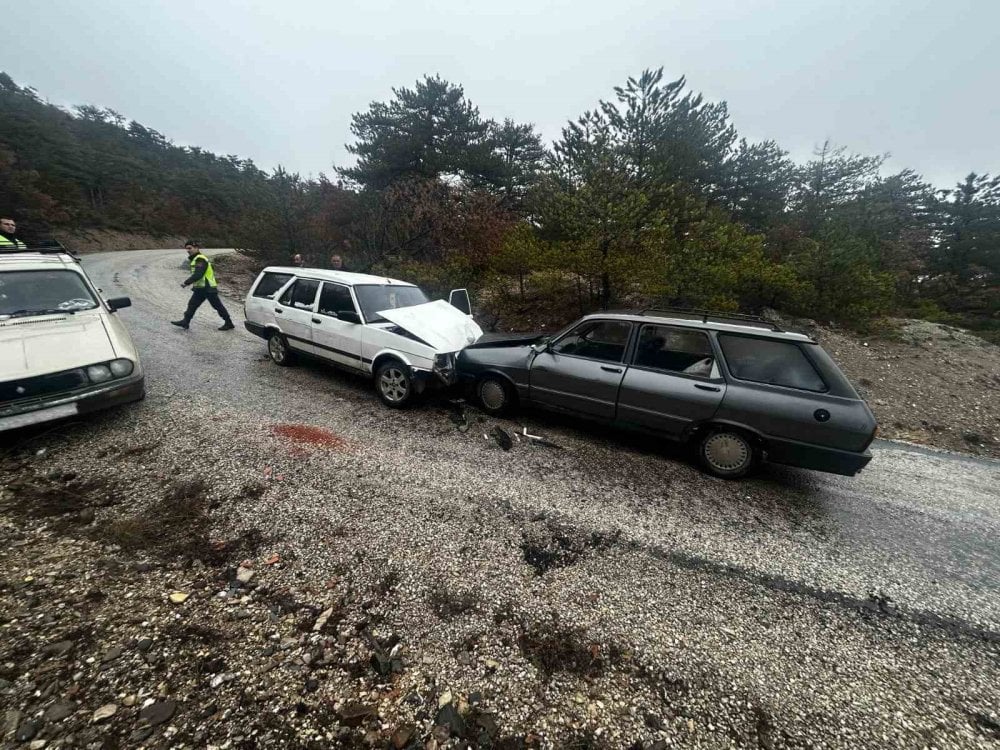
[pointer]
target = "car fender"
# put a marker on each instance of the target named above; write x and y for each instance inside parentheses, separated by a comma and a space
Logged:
(699, 428)
(521, 389)
(392, 354)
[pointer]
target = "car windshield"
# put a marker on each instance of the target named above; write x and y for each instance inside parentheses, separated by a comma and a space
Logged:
(25, 293)
(376, 297)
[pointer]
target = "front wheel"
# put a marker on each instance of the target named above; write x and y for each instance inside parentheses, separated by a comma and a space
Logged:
(495, 395)
(394, 384)
(278, 351)
(727, 453)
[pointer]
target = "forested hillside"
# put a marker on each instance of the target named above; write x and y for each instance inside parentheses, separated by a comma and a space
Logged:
(649, 198)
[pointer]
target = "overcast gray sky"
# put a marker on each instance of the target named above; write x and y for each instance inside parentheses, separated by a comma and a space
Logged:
(278, 81)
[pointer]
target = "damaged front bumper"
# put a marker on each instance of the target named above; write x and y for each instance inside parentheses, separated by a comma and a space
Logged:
(444, 368)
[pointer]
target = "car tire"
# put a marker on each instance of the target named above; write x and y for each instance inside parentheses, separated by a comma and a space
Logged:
(394, 384)
(729, 454)
(279, 351)
(495, 395)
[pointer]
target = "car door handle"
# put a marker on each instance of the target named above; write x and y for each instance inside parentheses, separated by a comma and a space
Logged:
(703, 387)
(611, 369)
(316, 320)
(278, 310)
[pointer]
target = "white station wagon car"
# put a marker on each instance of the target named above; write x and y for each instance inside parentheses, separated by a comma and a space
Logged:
(63, 351)
(367, 324)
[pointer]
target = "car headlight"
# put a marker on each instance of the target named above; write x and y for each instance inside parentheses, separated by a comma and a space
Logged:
(99, 373)
(444, 361)
(121, 367)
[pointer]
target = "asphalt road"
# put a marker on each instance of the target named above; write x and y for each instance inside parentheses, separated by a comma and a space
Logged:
(912, 542)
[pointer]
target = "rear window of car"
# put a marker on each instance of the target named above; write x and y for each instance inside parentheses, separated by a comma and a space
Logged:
(596, 339)
(772, 362)
(675, 350)
(270, 283)
(301, 294)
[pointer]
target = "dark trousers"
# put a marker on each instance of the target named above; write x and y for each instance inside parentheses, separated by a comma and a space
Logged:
(199, 295)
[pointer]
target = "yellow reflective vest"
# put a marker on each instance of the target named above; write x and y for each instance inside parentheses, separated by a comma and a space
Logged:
(10, 245)
(209, 278)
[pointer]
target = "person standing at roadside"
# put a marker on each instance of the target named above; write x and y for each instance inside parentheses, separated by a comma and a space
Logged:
(297, 261)
(204, 287)
(8, 236)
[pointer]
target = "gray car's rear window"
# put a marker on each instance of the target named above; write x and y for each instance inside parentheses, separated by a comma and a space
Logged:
(769, 361)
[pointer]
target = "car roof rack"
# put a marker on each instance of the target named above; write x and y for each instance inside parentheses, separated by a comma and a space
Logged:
(714, 315)
(44, 247)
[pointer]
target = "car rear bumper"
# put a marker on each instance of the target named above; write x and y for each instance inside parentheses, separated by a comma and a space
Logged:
(256, 329)
(817, 457)
(61, 406)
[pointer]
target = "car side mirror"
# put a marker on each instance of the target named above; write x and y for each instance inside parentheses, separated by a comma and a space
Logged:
(349, 316)
(117, 303)
(459, 298)
(542, 346)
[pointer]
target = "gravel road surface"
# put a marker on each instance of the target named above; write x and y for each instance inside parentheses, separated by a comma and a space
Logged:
(602, 593)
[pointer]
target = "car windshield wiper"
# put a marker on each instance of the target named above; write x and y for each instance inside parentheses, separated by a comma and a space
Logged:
(25, 313)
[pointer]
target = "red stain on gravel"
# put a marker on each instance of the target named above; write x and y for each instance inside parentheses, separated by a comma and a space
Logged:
(304, 435)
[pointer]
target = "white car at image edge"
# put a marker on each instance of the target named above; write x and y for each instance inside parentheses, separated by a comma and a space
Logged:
(366, 324)
(63, 351)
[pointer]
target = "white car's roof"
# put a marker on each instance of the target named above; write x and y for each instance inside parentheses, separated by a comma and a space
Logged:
(344, 277)
(26, 261)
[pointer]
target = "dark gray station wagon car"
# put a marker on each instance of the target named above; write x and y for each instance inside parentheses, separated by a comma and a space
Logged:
(740, 389)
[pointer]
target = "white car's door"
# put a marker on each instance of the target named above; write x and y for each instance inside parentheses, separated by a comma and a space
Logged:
(293, 314)
(336, 339)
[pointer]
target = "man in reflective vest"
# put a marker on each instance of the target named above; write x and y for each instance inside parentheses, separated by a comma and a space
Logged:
(204, 287)
(8, 236)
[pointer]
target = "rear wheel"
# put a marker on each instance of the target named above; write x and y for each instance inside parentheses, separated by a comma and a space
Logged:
(727, 453)
(278, 351)
(495, 395)
(394, 384)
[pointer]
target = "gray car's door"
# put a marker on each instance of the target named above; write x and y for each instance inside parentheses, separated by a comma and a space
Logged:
(582, 370)
(673, 380)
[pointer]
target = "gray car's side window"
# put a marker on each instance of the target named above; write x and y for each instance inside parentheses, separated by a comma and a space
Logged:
(771, 362)
(603, 340)
(676, 350)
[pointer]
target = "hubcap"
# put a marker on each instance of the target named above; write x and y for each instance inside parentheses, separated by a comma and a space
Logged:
(393, 384)
(492, 395)
(277, 348)
(727, 452)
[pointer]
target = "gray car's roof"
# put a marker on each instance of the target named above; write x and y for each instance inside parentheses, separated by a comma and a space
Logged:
(757, 329)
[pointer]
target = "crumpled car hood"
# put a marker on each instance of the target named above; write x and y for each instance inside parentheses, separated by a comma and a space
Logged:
(35, 346)
(441, 325)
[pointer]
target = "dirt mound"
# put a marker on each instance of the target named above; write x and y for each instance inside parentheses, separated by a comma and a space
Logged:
(925, 333)
(104, 240)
